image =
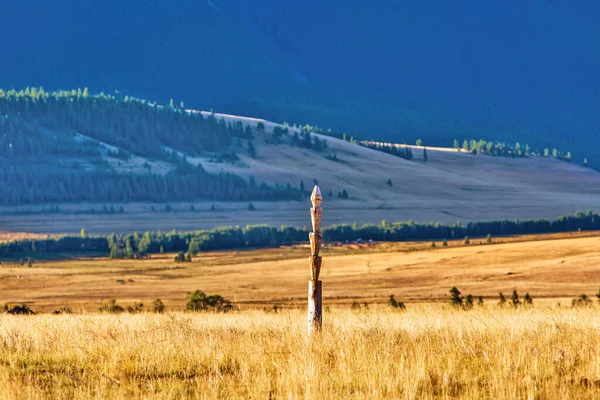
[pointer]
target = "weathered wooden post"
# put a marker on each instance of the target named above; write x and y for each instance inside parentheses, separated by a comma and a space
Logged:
(315, 294)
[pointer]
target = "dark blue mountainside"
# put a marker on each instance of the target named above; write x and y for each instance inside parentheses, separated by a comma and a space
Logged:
(436, 69)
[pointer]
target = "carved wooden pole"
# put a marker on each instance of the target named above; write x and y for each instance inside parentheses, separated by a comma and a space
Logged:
(315, 294)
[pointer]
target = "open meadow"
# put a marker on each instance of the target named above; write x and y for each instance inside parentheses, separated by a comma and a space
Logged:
(547, 266)
(422, 353)
(261, 349)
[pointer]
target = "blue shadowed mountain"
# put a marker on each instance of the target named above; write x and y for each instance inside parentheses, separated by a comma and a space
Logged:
(513, 70)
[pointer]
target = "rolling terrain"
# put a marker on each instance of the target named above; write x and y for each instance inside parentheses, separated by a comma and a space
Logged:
(450, 186)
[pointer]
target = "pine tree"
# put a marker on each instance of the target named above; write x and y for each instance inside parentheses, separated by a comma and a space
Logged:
(114, 252)
(193, 248)
(425, 154)
(445, 243)
(456, 145)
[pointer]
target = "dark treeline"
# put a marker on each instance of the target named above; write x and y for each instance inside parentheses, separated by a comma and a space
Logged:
(183, 183)
(137, 126)
(139, 245)
(51, 151)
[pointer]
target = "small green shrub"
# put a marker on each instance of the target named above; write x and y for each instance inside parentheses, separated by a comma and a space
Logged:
(23, 309)
(515, 299)
(502, 301)
(63, 310)
(199, 301)
(135, 308)
(455, 299)
(396, 304)
(468, 302)
(111, 306)
(581, 301)
(158, 306)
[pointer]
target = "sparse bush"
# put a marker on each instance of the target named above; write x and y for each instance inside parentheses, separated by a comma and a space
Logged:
(515, 299)
(468, 302)
(527, 300)
(199, 301)
(136, 308)
(396, 304)
(111, 306)
(158, 306)
(251, 207)
(455, 299)
(29, 262)
(432, 244)
(23, 309)
(445, 243)
(467, 240)
(488, 239)
(260, 126)
(180, 257)
(502, 301)
(480, 301)
(63, 310)
(582, 301)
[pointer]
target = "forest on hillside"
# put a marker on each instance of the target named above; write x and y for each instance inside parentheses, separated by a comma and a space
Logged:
(54, 145)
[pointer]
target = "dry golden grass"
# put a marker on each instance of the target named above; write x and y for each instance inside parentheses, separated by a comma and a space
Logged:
(425, 352)
(551, 266)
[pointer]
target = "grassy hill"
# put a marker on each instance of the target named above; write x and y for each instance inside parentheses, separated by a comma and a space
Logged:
(96, 153)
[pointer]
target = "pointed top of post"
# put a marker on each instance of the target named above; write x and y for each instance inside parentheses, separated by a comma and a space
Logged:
(316, 198)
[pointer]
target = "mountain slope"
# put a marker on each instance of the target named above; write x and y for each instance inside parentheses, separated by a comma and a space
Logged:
(84, 152)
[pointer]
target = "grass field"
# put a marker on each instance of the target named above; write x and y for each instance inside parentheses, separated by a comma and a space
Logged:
(430, 350)
(422, 353)
(547, 266)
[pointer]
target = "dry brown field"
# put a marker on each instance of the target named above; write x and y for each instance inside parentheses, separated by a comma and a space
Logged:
(431, 350)
(557, 267)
